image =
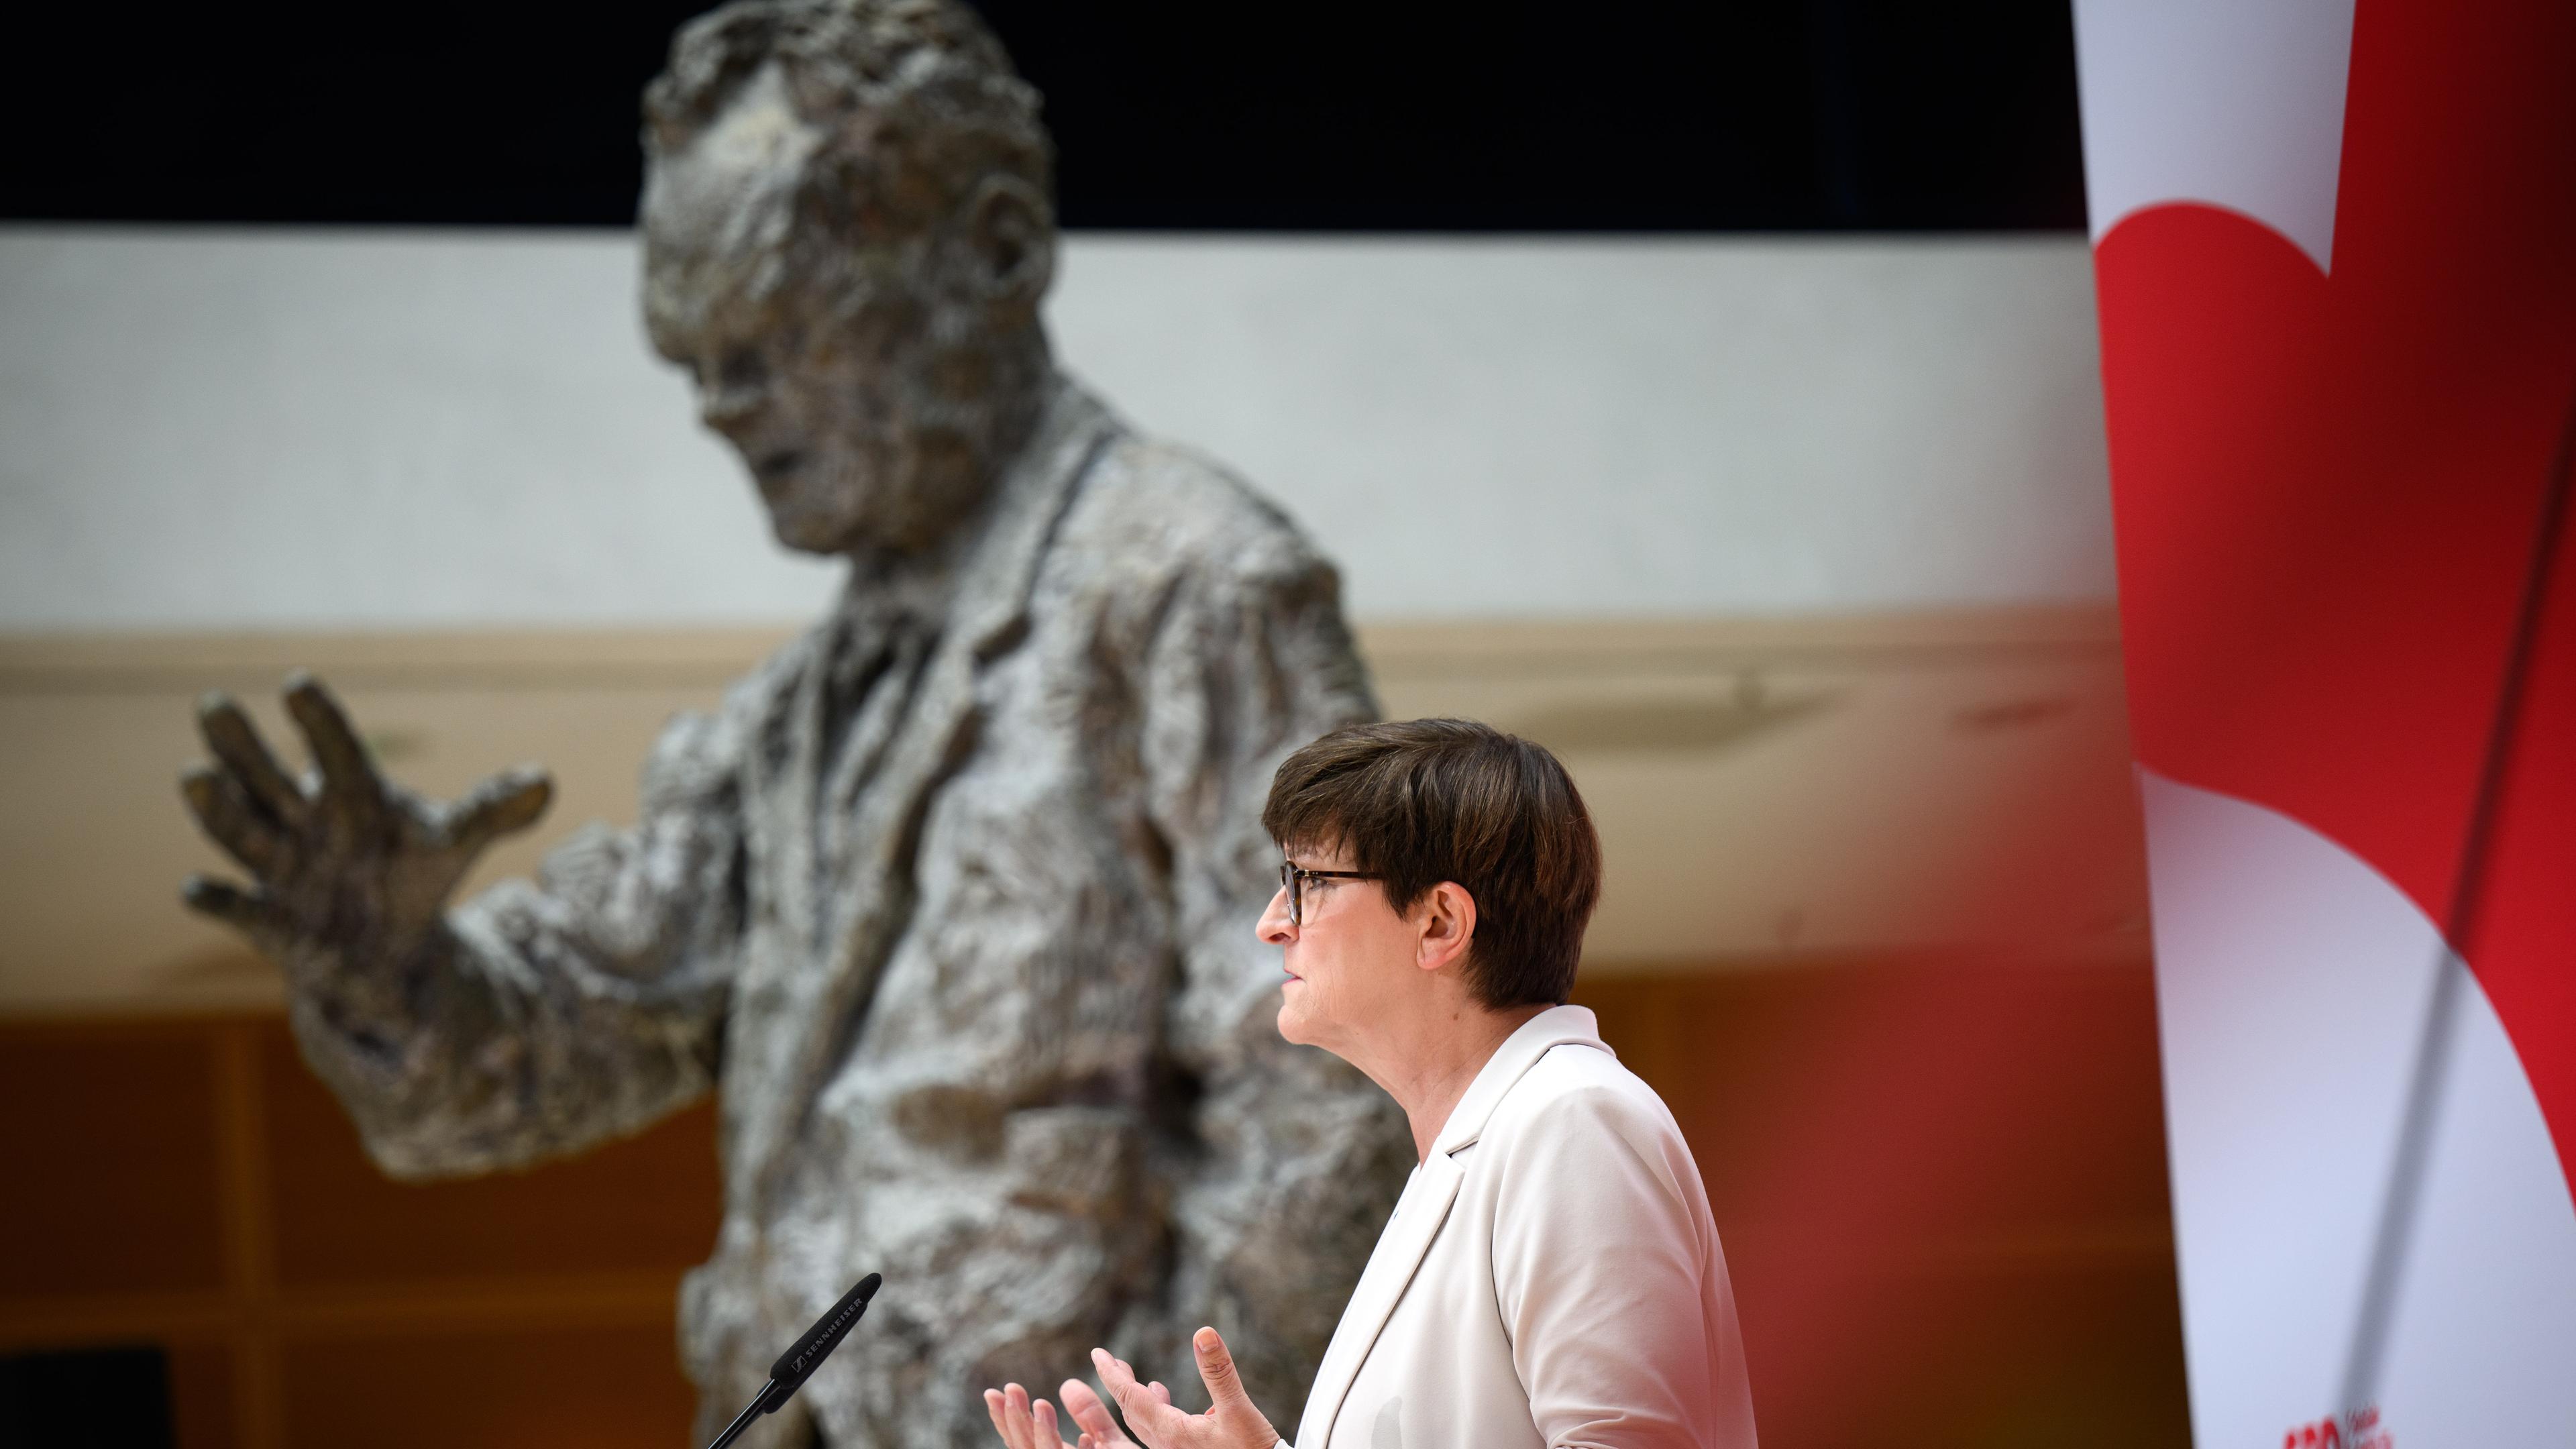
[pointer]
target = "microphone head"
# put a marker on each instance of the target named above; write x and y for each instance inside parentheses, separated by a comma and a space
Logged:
(798, 1362)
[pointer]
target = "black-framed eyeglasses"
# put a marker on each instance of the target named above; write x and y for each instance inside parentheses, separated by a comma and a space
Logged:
(1293, 878)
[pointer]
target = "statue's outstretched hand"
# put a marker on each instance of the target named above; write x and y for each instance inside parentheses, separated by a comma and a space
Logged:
(343, 862)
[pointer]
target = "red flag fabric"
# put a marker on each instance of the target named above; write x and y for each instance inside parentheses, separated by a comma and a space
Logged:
(2338, 416)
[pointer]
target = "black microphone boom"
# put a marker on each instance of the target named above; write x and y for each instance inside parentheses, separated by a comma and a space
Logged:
(795, 1365)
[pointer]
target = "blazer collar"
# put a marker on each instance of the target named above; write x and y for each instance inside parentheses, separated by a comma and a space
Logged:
(1425, 1208)
(1555, 1027)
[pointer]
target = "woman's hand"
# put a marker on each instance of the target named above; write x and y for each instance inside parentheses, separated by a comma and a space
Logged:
(1231, 1421)
(1024, 1424)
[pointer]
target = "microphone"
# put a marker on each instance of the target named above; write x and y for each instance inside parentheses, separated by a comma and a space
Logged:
(798, 1363)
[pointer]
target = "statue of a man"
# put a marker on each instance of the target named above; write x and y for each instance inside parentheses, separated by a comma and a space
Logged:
(905, 898)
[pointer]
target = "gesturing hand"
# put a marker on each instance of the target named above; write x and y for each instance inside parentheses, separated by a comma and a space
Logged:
(1026, 1425)
(1231, 1421)
(343, 861)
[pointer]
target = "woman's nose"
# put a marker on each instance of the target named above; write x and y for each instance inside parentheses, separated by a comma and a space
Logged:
(1274, 927)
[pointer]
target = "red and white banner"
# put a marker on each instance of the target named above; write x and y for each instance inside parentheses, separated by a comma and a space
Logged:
(2335, 251)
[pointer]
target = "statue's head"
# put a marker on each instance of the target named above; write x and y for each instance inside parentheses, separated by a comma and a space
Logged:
(847, 232)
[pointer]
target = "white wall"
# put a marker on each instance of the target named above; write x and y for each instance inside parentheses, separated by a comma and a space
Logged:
(207, 429)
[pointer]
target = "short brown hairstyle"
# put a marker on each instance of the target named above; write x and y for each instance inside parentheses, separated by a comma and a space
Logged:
(1418, 802)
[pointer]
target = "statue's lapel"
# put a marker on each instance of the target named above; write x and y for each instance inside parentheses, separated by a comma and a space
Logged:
(863, 901)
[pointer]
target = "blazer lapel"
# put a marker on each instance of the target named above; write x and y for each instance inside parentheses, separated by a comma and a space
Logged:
(1424, 1208)
(1391, 1266)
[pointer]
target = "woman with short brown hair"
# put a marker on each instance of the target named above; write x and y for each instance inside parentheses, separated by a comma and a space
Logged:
(1551, 1276)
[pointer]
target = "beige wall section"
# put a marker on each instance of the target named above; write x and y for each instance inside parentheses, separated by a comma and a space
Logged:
(1766, 789)
(306, 429)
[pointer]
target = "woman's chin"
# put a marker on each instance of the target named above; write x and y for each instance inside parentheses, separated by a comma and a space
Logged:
(1292, 1014)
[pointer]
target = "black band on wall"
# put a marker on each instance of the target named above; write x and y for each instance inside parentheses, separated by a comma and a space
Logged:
(1503, 115)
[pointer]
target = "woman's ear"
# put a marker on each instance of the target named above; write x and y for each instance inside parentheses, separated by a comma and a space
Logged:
(1012, 229)
(1446, 918)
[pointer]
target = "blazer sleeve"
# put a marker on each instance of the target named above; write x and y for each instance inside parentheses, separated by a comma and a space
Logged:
(1603, 1270)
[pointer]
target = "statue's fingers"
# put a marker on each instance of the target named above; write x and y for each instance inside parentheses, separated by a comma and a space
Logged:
(235, 741)
(503, 805)
(352, 795)
(250, 912)
(224, 812)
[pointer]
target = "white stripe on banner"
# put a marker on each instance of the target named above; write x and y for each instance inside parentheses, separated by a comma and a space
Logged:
(2235, 103)
(2292, 981)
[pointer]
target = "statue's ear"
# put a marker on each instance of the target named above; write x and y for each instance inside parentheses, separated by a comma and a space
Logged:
(1013, 232)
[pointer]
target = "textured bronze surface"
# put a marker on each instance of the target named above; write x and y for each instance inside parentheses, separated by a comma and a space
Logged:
(950, 902)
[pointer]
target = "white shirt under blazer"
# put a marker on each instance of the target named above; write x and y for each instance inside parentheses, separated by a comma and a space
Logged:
(1551, 1276)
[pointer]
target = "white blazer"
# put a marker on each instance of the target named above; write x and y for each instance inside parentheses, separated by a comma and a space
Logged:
(1551, 1276)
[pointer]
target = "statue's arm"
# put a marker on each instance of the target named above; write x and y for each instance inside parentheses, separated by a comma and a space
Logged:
(1307, 1156)
(588, 1002)
(533, 1020)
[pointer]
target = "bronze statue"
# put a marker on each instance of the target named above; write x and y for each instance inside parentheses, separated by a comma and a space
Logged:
(899, 899)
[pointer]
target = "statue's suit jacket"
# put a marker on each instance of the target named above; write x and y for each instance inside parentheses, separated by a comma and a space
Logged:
(1551, 1277)
(952, 902)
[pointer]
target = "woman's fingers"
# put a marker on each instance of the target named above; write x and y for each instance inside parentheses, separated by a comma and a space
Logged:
(1216, 1367)
(1089, 1414)
(1227, 1402)
(999, 1406)
(1014, 1420)
(1150, 1416)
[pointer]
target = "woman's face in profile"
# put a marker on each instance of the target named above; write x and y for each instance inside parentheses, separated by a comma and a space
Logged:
(1348, 959)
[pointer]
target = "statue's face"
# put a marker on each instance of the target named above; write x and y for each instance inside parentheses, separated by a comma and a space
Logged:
(845, 358)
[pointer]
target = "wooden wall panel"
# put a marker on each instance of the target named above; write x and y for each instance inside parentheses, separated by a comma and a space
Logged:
(197, 1159)
(203, 1413)
(647, 1203)
(108, 1144)
(1940, 1185)
(1941, 1190)
(548, 1389)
